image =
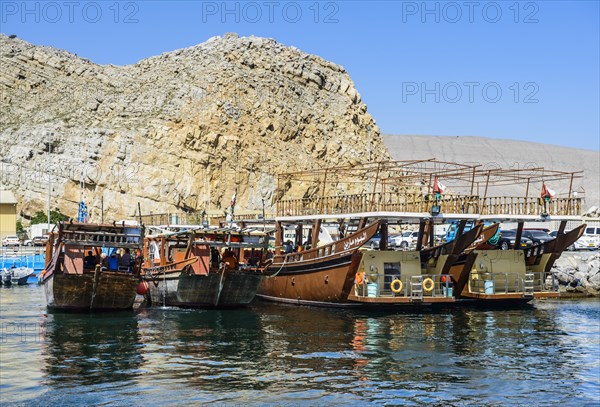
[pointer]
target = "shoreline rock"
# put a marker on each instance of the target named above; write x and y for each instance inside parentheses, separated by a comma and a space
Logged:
(578, 273)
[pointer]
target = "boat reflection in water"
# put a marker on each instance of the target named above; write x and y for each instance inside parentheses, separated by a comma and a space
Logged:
(91, 350)
(282, 354)
(210, 351)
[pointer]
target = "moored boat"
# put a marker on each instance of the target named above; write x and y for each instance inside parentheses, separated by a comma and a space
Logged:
(321, 275)
(204, 267)
(386, 190)
(491, 276)
(420, 276)
(84, 271)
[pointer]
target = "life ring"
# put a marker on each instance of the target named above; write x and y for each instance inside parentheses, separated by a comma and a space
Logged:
(428, 285)
(360, 278)
(396, 286)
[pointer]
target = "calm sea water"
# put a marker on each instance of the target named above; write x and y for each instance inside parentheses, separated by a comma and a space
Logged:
(267, 354)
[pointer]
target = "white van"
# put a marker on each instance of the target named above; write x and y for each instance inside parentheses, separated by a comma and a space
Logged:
(593, 235)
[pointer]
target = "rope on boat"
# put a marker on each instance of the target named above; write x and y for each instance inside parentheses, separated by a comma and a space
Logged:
(282, 265)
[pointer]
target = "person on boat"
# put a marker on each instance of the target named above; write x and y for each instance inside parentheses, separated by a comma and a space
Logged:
(288, 247)
(215, 257)
(125, 259)
(341, 229)
(90, 261)
(229, 259)
(104, 260)
(113, 261)
(306, 245)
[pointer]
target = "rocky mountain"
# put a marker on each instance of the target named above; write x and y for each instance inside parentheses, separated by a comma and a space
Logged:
(179, 131)
(497, 153)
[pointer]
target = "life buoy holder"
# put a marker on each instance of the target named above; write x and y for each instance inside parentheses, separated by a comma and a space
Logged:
(396, 286)
(428, 285)
(360, 278)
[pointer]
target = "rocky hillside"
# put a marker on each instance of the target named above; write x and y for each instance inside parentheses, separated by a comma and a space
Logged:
(496, 153)
(176, 130)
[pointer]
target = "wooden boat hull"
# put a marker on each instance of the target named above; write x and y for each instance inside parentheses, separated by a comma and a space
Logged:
(75, 292)
(319, 283)
(321, 276)
(219, 289)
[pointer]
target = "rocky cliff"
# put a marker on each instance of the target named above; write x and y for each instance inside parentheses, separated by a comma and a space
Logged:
(174, 131)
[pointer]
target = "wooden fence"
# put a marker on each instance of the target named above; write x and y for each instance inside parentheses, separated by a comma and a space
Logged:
(390, 202)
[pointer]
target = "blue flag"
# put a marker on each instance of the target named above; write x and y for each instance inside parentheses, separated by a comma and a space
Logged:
(82, 214)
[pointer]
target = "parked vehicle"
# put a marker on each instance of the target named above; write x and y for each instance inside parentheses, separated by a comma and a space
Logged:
(507, 240)
(11, 240)
(537, 236)
(588, 241)
(40, 240)
(404, 240)
(593, 233)
(373, 243)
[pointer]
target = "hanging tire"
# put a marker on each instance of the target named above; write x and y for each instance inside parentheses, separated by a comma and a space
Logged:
(504, 245)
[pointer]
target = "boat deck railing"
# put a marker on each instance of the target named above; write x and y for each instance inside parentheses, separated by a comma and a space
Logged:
(398, 202)
(195, 218)
(415, 288)
(530, 283)
(88, 238)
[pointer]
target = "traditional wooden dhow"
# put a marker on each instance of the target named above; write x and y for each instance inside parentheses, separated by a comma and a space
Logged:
(204, 267)
(412, 277)
(92, 267)
(512, 276)
(321, 275)
(390, 191)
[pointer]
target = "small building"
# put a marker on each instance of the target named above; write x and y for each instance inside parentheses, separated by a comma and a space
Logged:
(39, 229)
(8, 213)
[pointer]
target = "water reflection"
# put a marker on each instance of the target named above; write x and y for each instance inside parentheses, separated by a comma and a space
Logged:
(278, 355)
(92, 349)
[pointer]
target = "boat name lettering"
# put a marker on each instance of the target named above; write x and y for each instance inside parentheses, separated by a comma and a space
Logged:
(355, 241)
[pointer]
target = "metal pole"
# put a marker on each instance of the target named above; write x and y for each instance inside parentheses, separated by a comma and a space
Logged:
(570, 190)
(48, 134)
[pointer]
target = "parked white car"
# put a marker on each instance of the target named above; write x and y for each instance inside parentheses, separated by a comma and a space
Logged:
(404, 240)
(593, 234)
(11, 240)
(590, 240)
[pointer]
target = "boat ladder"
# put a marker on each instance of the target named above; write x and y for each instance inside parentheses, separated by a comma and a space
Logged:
(416, 288)
(528, 285)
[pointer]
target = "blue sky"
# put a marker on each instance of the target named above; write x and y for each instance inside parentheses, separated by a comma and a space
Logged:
(519, 70)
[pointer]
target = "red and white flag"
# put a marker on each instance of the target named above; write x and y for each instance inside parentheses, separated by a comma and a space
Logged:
(233, 199)
(438, 186)
(547, 192)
